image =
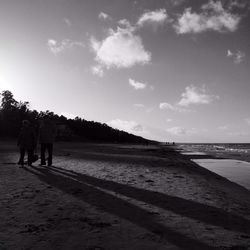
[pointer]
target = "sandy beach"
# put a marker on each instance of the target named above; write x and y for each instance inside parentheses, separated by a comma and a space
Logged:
(104, 196)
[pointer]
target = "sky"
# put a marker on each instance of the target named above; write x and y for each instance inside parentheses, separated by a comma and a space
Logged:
(168, 70)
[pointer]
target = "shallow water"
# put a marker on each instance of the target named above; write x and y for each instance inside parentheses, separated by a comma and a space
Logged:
(237, 151)
(193, 153)
(234, 170)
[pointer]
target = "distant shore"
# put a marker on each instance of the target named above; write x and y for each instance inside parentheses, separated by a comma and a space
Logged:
(111, 196)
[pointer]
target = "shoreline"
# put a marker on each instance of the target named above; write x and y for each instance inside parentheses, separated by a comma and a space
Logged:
(103, 196)
(217, 150)
(226, 164)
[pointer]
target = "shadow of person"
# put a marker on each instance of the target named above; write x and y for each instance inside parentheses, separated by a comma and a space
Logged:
(86, 188)
(198, 211)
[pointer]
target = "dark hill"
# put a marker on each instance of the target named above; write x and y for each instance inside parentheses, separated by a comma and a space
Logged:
(13, 112)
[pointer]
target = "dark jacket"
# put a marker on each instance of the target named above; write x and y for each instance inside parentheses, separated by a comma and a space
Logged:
(47, 132)
(27, 138)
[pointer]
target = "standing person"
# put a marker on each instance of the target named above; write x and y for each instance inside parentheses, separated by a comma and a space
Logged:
(47, 133)
(26, 142)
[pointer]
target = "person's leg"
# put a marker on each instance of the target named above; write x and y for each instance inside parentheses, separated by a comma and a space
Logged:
(30, 156)
(21, 158)
(43, 148)
(50, 152)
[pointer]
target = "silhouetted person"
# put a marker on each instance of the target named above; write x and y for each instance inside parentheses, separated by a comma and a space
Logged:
(26, 142)
(47, 133)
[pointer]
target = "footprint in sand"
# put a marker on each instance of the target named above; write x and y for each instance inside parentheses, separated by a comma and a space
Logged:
(179, 176)
(150, 181)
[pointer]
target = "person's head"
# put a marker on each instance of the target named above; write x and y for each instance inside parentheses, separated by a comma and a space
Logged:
(25, 123)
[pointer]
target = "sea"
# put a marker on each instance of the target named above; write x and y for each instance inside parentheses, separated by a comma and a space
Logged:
(237, 151)
(230, 160)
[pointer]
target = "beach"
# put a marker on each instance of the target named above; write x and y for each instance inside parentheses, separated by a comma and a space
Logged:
(113, 196)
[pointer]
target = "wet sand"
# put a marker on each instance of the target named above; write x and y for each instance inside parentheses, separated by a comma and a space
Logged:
(119, 197)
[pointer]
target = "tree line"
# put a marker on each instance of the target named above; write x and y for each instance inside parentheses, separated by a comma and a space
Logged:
(12, 112)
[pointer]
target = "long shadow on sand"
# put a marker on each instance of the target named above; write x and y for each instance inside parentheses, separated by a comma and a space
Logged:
(187, 208)
(86, 188)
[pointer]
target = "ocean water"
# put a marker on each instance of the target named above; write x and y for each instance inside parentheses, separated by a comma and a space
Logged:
(231, 161)
(238, 151)
(234, 170)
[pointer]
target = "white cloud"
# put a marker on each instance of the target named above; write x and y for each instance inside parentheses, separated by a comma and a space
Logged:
(95, 45)
(137, 85)
(57, 47)
(158, 17)
(125, 22)
(237, 56)
(194, 95)
(177, 131)
(168, 106)
(120, 49)
(128, 126)
(165, 105)
(169, 120)
(213, 17)
(240, 4)
(247, 121)
(97, 70)
(224, 127)
(104, 16)
(238, 133)
(229, 53)
(139, 105)
(181, 131)
(177, 2)
(67, 21)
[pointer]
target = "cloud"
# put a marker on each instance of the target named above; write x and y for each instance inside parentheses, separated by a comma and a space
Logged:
(169, 120)
(139, 105)
(224, 127)
(137, 85)
(168, 106)
(229, 53)
(120, 49)
(213, 17)
(165, 105)
(247, 121)
(157, 17)
(128, 126)
(67, 21)
(237, 56)
(125, 23)
(57, 47)
(177, 2)
(97, 70)
(238, 133)
(181, 131)
(240, 4)
(194, 95)
(103, 16)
